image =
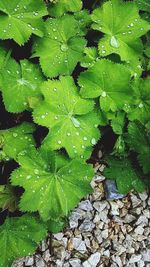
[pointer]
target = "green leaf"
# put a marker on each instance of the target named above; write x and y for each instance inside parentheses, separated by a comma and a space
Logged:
(54, 189)
(143, 5)
(19, 19)
(56, 226)
(21, 80)
(71, 119)
(83, 18)
(118, 122)
(62, 6)
(139, 141)
(90, 57)
(110, 81)
(17, 139)
(119, 147)
(124, 174)
(4, 55)
(19, 237)
(62, 46)
(140, 107)
(8, 199)
(122, 26)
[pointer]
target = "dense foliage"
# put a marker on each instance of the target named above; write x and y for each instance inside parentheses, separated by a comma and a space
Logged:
(74, 76)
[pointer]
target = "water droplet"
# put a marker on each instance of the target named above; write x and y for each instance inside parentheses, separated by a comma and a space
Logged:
(142, 29)
(68, 134)
(64, 47)
(75, 122)
(29, 176)
(85, 138)
(129, 32)
(104, 94)
(43, 116)
(59, 142)
(36, 171)
(114, 42)
(55, 37)
(83, 146)
(93, 141)
(35, 13)
(141, 105)
(131, 24)
(55, 89)
(15, 134)
(56, 117)
(103, 51)
(4, 31)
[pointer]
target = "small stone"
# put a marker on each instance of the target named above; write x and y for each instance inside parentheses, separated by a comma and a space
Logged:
(117, 260)
(140, 264)
(100, 205)
(59, 263)
(18, 263)
(29, 261)
(139, 230)
(111, 190)
(46, 255)
(135, 201)
(99, 178)
(106, 253)
(143, 196)
(129, 218)
(75, 262)
(146, 255)
(75, 216)
(40, 262)
(135, 258)
(58, 236)
(142, 220)
(114, 208)
(85, 205)
(146, 213)
(43, 246)
(87, 226)
(104, 234)
(79, 244)
(93, 260)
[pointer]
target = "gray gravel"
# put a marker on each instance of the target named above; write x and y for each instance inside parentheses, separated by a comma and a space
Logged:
(101, 233)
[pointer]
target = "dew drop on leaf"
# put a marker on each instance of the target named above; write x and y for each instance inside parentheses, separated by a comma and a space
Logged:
(15, 134)
(104, 94)
(36, 171)
(114, 42)
(141, 105)
(93, 141)
(75, 122)
(64, 47)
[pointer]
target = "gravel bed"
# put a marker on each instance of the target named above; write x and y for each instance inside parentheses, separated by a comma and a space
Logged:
(101, 233)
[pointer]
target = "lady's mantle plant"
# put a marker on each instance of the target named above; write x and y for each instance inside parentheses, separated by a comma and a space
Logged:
(92, 78)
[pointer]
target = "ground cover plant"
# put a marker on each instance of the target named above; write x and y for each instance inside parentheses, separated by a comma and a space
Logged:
(74, 78)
